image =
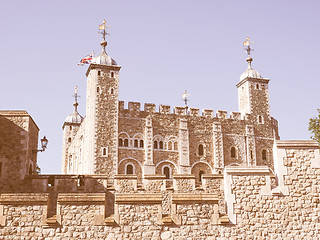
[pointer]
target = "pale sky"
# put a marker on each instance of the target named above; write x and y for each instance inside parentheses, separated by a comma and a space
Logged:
(163, 47)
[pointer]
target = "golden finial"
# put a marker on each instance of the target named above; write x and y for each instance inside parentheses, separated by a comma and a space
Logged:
(102, 29)
(249, 49)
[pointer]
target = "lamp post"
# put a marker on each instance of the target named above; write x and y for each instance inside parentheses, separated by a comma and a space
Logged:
(44, 143)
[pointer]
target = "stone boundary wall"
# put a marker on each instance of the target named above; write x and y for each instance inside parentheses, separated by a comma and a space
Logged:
(260, 204)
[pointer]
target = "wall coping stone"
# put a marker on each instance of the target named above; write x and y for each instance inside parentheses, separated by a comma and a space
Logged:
(125, 176)
(244, 170)
(212, 176)
(81, 197)
(184, 176)
(194, 197)
(29, 198)
(137, 198)
(155, 176)
(297, 144)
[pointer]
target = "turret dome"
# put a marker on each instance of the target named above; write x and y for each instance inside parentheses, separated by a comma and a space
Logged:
(103, 58)
(74, 117)
(251, 73)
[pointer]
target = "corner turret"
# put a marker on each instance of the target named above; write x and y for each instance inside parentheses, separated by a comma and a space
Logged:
(70, 128)
(102, 106)
(253, 91)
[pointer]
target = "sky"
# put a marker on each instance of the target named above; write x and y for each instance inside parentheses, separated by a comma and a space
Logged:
(163, 48)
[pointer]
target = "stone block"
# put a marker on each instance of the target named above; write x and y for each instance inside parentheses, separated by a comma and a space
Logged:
(165, 109)
(207, 113)
(150, 107)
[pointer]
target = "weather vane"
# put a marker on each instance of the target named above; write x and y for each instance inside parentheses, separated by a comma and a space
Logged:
(185, 98)
(102, 29)
(248, 44)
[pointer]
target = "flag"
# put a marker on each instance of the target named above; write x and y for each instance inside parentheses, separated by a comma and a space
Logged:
(102, 27)
(86, 60)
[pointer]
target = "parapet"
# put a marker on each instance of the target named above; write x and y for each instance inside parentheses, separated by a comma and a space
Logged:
(150, 107)
(207, 113)
(180, 110)
(164, 109)
(222, 114)
(194, 111)
(134, 106)
(121, 105)
(235, 115)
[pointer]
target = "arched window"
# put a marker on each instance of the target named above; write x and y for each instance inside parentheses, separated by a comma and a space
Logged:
(155, 145)
(166, 171)
(251, 154)
(175, 146)
(69, 139)
(141, 144)
(98, 89)
(233, 152)
(169, 145)
(99, 73)
(111, 91)
(260, 119)
(264, 154)
(126, 142)
(112, 74)
(200, 150)
(70, 127)
(120, 142)
(257, 86)
(104, 151)
(160, 145)
(129, 169)
(136, 143)
(200, 175)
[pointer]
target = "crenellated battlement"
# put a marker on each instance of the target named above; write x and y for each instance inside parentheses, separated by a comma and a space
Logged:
(135, 107)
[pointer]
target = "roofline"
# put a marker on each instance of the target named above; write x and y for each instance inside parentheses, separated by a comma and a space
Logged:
(102, 66)
(265, 80)
(19, 113)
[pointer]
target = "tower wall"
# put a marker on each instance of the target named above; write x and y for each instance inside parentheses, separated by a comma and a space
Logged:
(101, 153)
(69, 132)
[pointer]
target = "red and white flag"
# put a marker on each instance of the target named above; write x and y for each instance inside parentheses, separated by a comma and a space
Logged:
(86, 60)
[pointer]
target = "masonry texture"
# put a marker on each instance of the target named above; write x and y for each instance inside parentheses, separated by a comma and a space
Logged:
(113, 139)
(130, 173)
(243, 203)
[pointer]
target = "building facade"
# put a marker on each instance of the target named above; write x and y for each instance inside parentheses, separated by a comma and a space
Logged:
(111, 139)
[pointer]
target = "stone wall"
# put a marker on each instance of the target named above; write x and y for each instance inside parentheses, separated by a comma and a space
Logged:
(18, 145)
(244, 203)
(178, 147)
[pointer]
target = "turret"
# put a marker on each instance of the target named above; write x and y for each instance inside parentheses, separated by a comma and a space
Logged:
(253, 91)
(70, 128)
(101, 138)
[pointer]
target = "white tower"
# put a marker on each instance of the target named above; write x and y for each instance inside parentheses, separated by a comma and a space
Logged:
(102, 107)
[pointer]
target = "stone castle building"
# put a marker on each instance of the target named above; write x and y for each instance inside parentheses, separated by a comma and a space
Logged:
(132, 174)
(113, 140)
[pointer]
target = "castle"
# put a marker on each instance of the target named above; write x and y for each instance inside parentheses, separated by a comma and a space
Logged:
(113, 140)
(132, 174)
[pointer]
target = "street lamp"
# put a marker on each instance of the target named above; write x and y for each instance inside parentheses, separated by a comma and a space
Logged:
(44, 143)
